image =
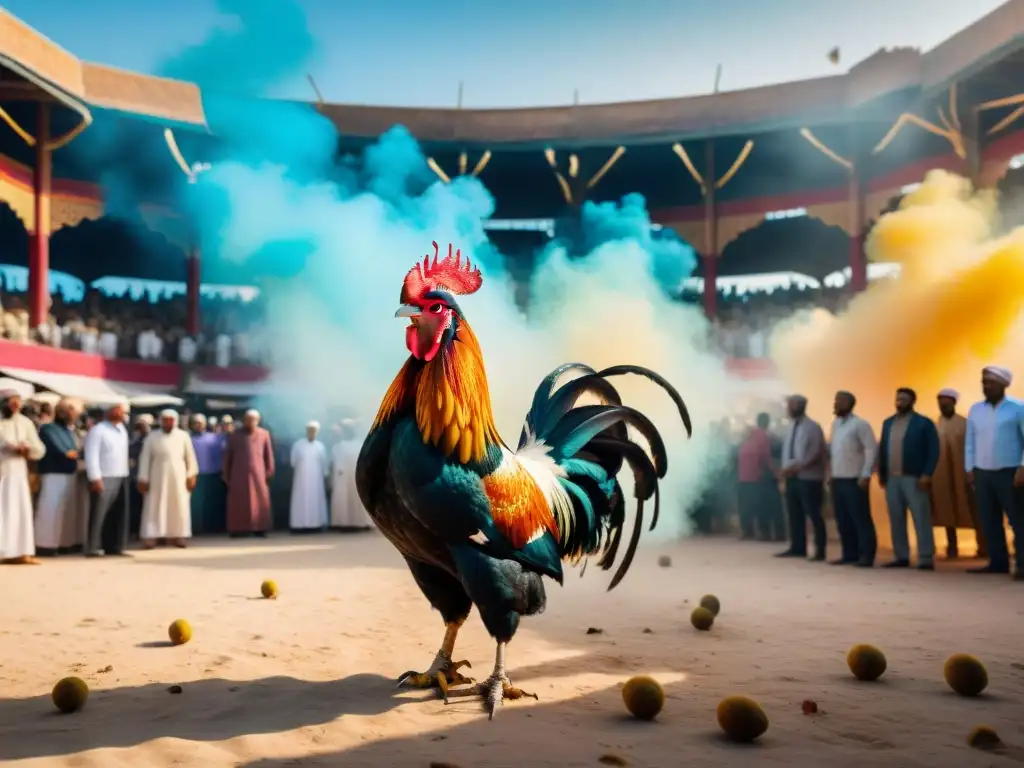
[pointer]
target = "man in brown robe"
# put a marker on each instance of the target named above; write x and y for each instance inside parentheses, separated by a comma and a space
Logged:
(248, 467)
(952, 500)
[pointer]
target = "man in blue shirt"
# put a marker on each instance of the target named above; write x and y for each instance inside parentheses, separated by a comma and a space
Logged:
(994, 460)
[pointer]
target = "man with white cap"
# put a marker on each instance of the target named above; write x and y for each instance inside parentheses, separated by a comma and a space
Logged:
(106, 468)
(952, 499)
(19, 444)
(347, 511)
(167, 475)
(994, 460)
(308, 511)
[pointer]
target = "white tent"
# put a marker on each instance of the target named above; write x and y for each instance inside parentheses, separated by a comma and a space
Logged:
(203, 387)
(95, 391)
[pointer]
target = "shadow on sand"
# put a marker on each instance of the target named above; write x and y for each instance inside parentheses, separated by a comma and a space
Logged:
(155, 644)
(216, 709)
(590, 730)
(129, 716)
(585, 727)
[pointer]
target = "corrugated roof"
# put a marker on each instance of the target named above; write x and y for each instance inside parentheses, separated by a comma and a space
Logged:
(158, 97)
(94, 84)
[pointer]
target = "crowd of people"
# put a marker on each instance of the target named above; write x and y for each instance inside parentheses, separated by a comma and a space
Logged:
(152, 328)
(74, 482)
(957, 472)
(82, 482)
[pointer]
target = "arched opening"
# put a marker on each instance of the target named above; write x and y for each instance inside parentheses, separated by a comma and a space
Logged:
(13, 237)
(771, 270)
(113, 246)
(804, 245)
(14, 265)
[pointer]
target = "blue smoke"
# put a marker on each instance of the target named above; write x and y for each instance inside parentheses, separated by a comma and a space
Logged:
(330, 241)
(671, 260)
(267, 43)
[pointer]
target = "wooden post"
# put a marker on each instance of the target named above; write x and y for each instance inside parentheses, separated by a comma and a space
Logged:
(710, 233)
(39, 242)
(855, 200)
(974, 144)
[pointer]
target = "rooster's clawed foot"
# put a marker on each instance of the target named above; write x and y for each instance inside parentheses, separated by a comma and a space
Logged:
(443, 674)
(496, 689)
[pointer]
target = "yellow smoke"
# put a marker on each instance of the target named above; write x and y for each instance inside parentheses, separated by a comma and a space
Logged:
(956, 307)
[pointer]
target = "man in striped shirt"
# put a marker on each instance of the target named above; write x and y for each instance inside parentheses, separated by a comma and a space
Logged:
(994, 460)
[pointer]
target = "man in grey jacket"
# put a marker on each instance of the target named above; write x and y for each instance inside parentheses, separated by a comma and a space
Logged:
(804, 455)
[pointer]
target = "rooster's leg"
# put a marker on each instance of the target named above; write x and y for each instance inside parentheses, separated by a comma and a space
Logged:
(497, 687)
(443, 672)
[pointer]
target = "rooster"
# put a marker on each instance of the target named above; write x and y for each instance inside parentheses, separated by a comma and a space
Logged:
(477, 523)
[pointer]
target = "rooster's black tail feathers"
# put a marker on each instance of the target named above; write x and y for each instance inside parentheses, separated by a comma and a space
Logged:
(591, 443)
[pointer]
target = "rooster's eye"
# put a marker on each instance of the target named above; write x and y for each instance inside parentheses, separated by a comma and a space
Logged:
(436, 308)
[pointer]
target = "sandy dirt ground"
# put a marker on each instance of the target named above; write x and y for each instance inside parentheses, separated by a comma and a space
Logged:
(306, 680)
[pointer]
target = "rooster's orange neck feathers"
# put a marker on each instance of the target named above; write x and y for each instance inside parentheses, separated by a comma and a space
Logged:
(451, 399)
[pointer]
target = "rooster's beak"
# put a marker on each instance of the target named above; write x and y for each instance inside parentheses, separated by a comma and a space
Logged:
(407, 310)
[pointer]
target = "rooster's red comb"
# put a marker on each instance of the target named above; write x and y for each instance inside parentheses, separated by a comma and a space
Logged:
(450, 274)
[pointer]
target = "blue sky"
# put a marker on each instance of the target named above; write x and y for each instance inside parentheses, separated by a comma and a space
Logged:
(525, 52)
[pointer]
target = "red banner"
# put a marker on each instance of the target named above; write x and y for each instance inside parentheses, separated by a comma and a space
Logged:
(49, 360)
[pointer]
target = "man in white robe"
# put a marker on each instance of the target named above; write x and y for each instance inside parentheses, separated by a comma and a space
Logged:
(167, 475)
(19, 443)
(347, 512)
(310, 467)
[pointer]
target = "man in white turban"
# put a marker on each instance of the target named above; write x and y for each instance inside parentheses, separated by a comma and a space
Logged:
(994, 461)
(167, 475)
(19, 444)
(309, 495)
(952, 500)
